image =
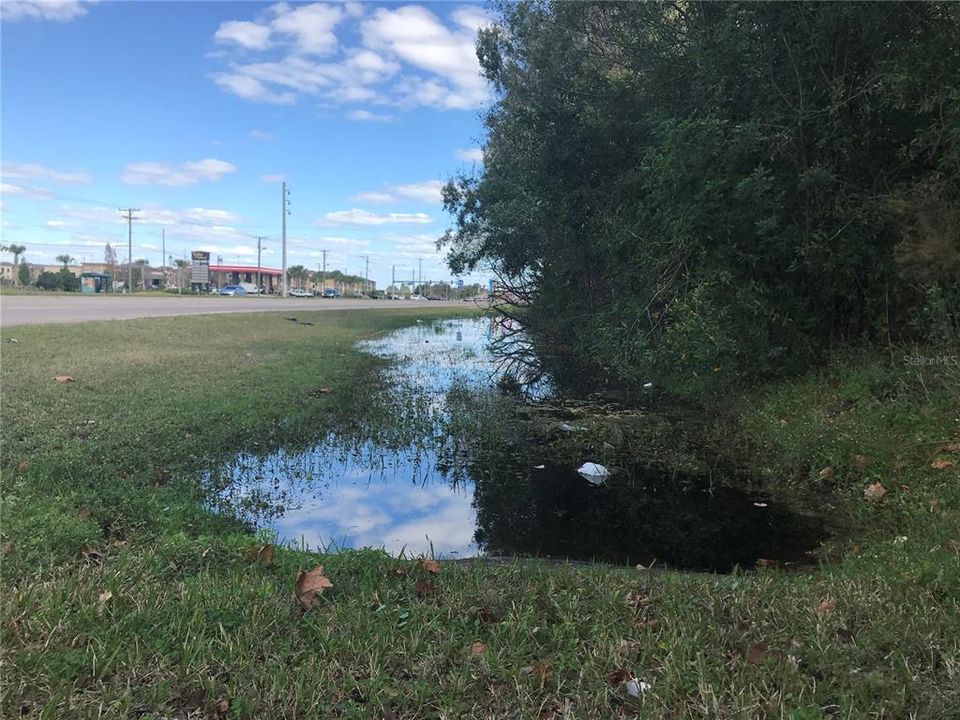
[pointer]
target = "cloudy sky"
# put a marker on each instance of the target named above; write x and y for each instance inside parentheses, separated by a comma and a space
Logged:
(195, 111)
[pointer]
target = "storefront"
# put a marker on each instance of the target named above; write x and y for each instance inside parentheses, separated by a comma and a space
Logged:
(270, 280)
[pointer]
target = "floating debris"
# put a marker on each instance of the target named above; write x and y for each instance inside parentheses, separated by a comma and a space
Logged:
(594, 473)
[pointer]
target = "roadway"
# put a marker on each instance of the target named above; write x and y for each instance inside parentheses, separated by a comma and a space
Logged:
(54, 309)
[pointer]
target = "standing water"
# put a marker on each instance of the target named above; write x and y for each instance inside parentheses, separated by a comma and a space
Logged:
(417, 490)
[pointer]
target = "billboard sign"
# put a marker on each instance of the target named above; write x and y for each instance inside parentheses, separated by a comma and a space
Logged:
(199, 268)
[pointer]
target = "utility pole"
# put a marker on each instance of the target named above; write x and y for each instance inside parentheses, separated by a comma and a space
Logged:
(163, 255)
(366, 274)
(324, 273)
(260, 240)
(283, 207)
(420, 272)
(130, 219)
(393, 282)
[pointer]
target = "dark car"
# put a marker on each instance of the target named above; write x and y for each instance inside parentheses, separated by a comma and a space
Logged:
(332, 293)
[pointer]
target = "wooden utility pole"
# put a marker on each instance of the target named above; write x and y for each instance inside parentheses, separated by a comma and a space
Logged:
(130, 219)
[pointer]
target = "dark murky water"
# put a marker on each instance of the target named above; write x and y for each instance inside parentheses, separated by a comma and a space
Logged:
(455, 496)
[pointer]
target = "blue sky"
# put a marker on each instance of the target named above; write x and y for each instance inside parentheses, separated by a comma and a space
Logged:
(194, 112)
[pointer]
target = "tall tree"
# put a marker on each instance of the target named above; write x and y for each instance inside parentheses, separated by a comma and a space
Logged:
(703, 192)
(65, 260)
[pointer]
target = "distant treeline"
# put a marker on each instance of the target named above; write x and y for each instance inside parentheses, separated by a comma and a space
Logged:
(701, 193)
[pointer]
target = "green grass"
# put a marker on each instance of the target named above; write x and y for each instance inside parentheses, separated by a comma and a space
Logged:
(105, 464)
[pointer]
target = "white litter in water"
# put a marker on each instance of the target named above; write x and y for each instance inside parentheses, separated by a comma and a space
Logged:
(647, 386)
(760, 504)
(539, 467)
(567, 427)
(594, 473)
(637, 686)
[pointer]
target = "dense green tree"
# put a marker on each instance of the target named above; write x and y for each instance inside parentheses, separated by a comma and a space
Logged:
(700, 192)
(23, 272)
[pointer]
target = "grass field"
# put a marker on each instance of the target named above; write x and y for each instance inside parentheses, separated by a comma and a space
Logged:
(124, 598)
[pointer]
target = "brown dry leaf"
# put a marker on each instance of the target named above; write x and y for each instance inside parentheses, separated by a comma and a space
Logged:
(647, 624)
(23, 465)
(549, 714)
(104, 596)
(826, 473)
(953, 447)
(83, 513)
(766, 562)
(934, 505)
(219, 710)
(425, 588)
(855, 549)
(310, 585)
(160, 475)
(6, 548)
(262, 554)
(827, 606)
(874, 491)
(478, 648)
(756, 652)
(860, 462)
(942, 464)
(431, 566)
(543, 670)
(62, 378)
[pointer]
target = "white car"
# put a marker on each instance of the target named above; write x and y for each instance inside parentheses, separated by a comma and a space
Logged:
(298, 293)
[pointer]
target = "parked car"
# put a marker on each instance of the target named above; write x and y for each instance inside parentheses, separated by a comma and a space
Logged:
(417, 297)
(234, 290)
(332, 293)
(300, 293)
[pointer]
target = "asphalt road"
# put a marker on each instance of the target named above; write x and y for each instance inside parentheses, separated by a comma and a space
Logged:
(50, 309)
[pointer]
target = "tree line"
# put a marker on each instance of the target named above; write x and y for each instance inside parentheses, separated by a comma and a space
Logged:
(707, 193)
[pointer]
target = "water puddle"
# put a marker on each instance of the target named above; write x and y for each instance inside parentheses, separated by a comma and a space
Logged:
(418, 483)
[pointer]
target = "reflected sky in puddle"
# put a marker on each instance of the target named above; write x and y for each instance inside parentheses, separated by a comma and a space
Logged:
(332, 497)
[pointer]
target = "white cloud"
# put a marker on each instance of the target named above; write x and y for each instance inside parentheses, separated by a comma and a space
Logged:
(367, 116)
(245, 34)
(10, 189)
(427, 191)
(252, 89)
(188, 173)
(57, 10)
(469, 154)
(355, 216)
(407, 56)
(261, 136)
(275, 178)
(35, 171)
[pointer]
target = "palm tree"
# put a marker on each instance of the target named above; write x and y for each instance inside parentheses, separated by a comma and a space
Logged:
(66, 260)
(181, 265)
(16, 251)
(298, 273)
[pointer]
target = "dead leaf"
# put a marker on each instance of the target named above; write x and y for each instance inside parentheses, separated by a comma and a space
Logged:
(860, 462)
(766, 562)
(262, 554)
(83, 513)
(219, 710)
(942, 464)
(161, 476)
(425, 588)
(23, 465)
(478, 648)
(855, 549)
(431, 566)
(62, 378)
(543, 670)
(6, 548)
(827, 606)
(874, 491)
(104, 596)
(756, 652)
(619, 676)
(826, 473)
(647, 624)
(310, 585)
(934, 505)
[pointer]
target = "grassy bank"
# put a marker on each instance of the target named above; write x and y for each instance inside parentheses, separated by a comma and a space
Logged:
(124, 598)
